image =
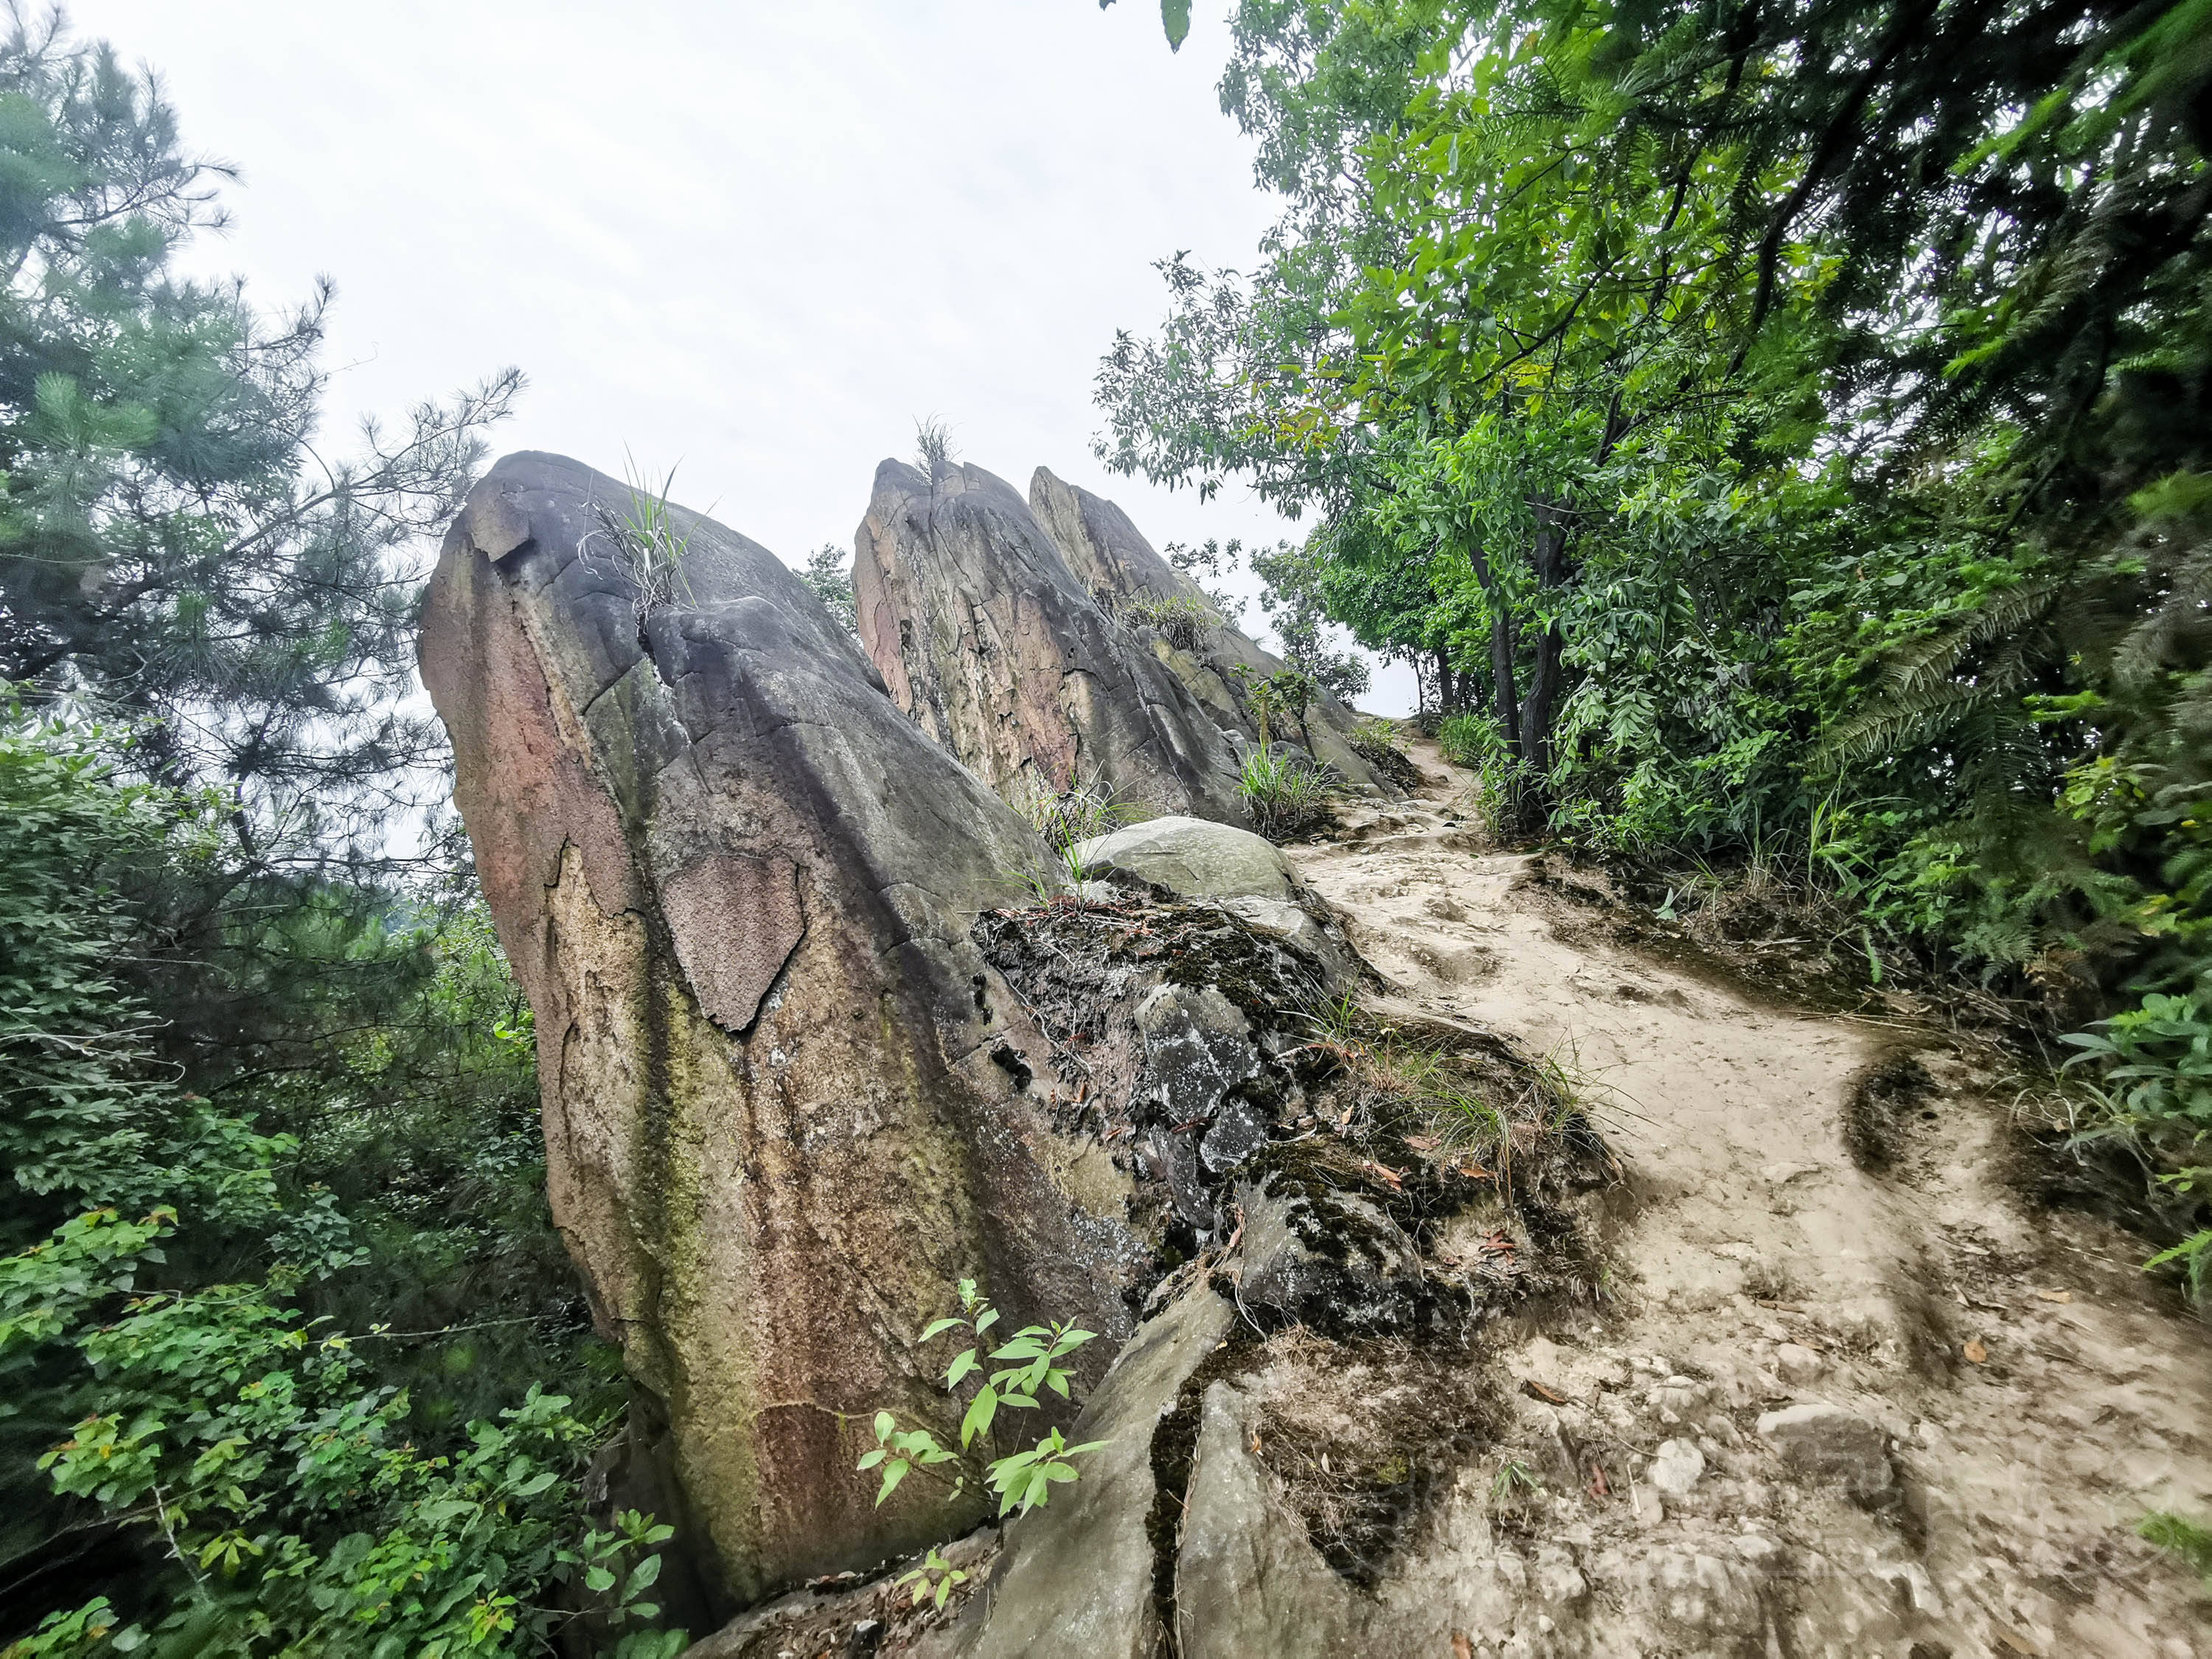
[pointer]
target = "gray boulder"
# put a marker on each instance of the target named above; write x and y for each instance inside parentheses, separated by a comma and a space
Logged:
(1077, 1575)
(782, 1090)
(1192, 858)
(990, 642)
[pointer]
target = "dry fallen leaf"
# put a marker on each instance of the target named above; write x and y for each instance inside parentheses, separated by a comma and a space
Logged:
(1975, 1352)
(1597, 1485)
(1462, 1648)
(1424, 1143)
(2055, 1296)
(1536, 1390)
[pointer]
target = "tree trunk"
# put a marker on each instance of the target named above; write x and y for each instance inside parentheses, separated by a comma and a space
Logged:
(1549, 555)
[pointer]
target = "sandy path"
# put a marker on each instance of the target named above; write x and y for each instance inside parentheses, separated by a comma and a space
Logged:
(1759, 1267)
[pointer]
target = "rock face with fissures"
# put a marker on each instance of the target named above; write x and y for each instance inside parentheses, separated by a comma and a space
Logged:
(988, 639)
(1111, 557)
(782, 1090)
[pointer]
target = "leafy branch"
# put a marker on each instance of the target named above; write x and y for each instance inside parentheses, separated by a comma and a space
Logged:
(1023, 1480)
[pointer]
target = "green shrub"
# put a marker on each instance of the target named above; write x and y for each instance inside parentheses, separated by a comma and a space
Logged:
(1468, 740)
(1183, 622)
(1288, 797)
(168, 1371)
(1022, 1478)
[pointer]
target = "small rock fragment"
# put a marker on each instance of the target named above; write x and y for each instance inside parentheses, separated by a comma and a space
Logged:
(1798, 1363)
(1678, 1395)
(1826, 1443)
(1559, 1581)
(1679, 1467)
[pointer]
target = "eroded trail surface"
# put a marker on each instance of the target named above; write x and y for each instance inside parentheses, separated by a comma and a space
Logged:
(1814, 1223)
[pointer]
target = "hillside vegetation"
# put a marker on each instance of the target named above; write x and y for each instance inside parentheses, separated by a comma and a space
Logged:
(1777, 431)
(1778, 435)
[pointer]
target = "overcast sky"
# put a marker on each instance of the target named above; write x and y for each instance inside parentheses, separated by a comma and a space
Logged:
(753, 241)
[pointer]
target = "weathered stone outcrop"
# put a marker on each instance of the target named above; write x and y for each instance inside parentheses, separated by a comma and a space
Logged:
(782, 1089)
(988, 639)
(1110, 555)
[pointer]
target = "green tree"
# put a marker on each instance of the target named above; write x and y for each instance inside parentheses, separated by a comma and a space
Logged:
(1792, 415)
(828, 572)
(194, 1443)
(172, 540)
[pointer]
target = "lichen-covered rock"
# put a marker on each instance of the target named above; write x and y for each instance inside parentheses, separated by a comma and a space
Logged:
(984, 635)
(782, 1087)
(1331, 1259)
(1107, 553)
(1192, 858)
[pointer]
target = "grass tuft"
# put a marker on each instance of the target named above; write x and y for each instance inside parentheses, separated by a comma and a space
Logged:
(1288, 798)
(1096, 808)
(650, 543)
(2178, 1535)
(1183, 622)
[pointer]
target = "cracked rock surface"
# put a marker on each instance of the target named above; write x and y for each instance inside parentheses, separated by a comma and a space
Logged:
(782, 1087)
(991, 643)
(1110, 555)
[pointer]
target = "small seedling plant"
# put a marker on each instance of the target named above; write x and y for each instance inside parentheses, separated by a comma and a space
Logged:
(933, 1581)
(1029, 1362)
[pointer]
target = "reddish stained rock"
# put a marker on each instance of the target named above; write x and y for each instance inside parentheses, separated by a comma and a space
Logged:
(736, 884)
(993, 644)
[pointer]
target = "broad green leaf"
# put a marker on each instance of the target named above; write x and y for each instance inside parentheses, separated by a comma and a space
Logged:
(894, 1472)
(981, 1411)
(1174, 19)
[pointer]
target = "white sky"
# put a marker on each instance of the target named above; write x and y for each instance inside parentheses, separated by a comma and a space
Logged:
(754, 240)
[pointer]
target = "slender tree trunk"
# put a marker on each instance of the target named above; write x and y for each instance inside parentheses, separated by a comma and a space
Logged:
(1502, 644)
(1502, 685)
(1549, 555)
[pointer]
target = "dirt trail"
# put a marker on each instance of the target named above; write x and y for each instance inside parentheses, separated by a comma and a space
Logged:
(1779, 1246)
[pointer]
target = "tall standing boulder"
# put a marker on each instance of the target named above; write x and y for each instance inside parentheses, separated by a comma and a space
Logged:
(996, 648)
(1109, 555)
(782, 1090)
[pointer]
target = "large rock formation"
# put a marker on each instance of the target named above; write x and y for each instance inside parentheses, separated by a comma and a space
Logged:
(1111, 557)
(987, 638)
(782, 1087)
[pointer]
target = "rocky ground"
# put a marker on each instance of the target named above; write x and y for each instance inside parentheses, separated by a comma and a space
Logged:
(1840, 1387)
(1796, 1245)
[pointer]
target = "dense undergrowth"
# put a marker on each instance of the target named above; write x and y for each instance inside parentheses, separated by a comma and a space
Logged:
(294, 1360)
(291, 1360)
